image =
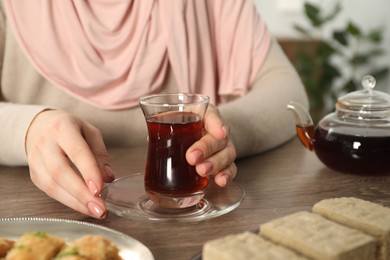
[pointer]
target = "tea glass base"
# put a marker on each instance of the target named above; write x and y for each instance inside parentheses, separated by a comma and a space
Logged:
(127, 198)
(175, 202)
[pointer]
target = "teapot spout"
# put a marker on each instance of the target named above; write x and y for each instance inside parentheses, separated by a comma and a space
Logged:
(304, 124)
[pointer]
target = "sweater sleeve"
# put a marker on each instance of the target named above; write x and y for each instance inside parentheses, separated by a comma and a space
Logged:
(15, 118)
(16, 121)
(259, 120)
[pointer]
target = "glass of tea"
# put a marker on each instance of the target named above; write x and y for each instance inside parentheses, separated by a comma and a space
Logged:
(174, 122)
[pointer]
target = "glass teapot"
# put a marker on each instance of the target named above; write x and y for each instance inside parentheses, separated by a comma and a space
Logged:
(356, 137)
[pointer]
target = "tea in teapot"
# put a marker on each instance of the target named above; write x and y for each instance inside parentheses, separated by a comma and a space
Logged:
(356, 137)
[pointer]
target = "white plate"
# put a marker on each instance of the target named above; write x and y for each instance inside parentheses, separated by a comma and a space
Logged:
(129, 248)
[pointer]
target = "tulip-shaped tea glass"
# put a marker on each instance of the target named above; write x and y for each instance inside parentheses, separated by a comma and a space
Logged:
(170, 189)
(174, 122)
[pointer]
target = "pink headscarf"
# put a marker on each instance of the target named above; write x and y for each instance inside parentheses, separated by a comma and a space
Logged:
(110, 53)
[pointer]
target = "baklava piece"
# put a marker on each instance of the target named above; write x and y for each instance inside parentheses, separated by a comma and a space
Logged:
(90, 247)
(35, 245)
(5, 246)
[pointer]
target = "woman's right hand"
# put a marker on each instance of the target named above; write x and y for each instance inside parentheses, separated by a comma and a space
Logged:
(68, 161)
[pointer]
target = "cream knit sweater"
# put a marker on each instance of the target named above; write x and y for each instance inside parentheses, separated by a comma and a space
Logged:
(259, 121)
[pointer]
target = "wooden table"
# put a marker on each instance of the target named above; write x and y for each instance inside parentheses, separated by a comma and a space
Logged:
(280, 182)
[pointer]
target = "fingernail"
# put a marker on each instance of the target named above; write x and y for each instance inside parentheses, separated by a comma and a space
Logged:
(109, 172)
(224, 180)
(93, 189)
(224, 131)
(96, 210)
(196, 156)
(206, 168)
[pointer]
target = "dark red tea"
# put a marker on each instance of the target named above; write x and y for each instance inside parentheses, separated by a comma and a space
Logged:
(354, 154)
(306, 135)
(167, 171)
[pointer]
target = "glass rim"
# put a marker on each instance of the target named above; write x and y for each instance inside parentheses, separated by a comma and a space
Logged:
(147, 100)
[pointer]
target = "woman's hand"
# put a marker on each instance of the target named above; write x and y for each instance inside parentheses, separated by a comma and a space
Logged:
(69, 161)
(214, 154)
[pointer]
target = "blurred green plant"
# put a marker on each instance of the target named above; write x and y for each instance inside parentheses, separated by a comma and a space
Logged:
(353, 49)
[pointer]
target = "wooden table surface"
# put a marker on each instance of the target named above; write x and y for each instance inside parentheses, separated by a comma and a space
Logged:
(280, 182)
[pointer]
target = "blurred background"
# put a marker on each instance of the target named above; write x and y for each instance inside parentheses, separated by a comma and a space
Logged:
(333, 44)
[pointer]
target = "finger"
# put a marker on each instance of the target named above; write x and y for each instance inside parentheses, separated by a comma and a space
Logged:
(204, 148)
(226, 175)
(213, 141)
(77, 198)
(218, 161)
(214, 124)
(78, 151)
(95, 141)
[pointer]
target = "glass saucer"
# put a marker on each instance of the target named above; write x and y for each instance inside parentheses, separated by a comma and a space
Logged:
(126, 197)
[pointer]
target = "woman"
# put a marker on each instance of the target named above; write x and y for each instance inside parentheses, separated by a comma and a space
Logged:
(72, 73)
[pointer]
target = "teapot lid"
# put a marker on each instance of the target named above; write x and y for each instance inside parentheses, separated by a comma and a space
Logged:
(366, 103)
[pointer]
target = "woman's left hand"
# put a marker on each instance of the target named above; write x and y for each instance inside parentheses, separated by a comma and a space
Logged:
(214, 154)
